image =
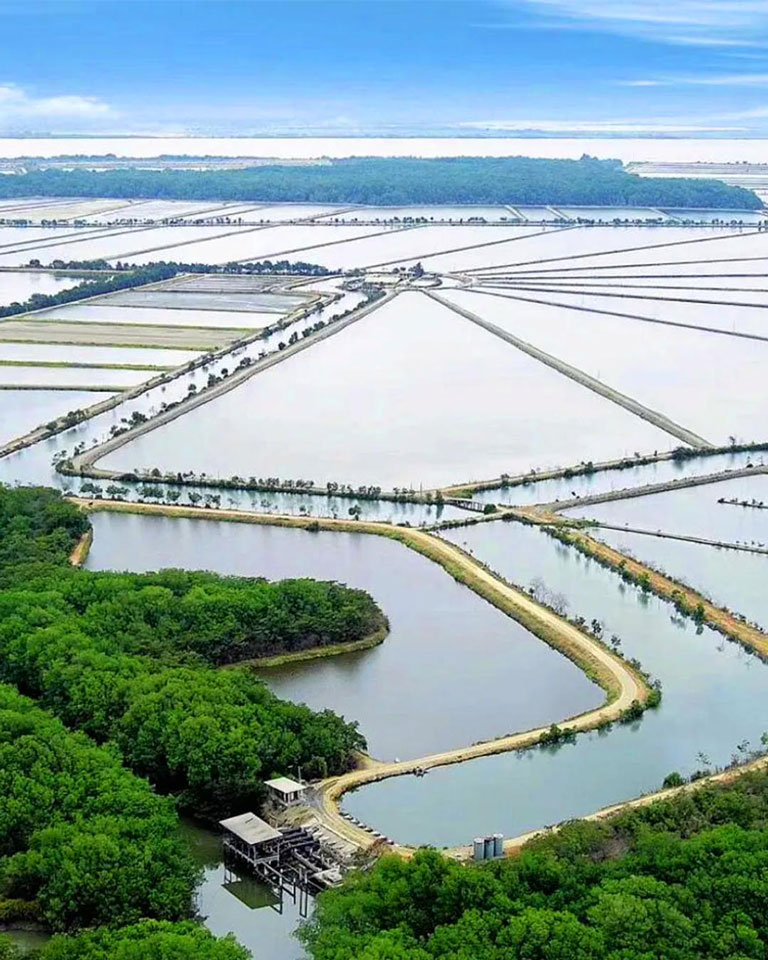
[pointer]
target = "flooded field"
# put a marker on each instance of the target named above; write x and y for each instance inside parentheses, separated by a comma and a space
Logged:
(669, 369)
(172, 298)
(105, 312)
(444, 401)
(445, 643)
(23, 410)
(109, 356)
(611, 214)
(71, 376)
(411, 244)
(712, 699)
(258, 244)
(100, 334)
(661, 245)
(727, 317)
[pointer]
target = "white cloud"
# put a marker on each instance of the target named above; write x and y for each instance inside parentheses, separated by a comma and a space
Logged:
(704, 80)
(19, 109)
(716, 23)
(634, 127)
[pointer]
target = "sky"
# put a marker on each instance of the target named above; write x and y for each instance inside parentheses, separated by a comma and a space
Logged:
(357, 67)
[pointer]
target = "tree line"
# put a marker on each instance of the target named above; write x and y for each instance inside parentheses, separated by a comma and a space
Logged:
(396, 180)
(681, 879)
(122, 276)
(112, 682)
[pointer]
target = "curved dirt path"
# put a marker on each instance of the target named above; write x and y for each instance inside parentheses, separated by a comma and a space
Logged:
(622, 684)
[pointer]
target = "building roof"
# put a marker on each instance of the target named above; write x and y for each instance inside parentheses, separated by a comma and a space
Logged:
(250, 828)
(285, 785)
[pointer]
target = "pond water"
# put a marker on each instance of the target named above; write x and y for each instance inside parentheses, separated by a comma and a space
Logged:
(662, 245)
(113, 244)
(276, 242)
(731, 578)
(18, 287)
(72, 376)
(609, 214)
(33, 464)
(452, 670)
(23, 410)
(215, 300)
(687, 374)
(730, 318)
(443, 402)
(232, 903)
(603, 481)
(585, 245)
(715, 696)
(693, 511)
(105, 312)
(64, 353)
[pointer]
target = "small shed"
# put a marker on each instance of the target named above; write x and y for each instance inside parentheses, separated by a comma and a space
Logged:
(251, 838)
(285, 792)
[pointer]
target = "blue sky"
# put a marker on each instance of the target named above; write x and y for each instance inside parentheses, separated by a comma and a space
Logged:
(393, 66)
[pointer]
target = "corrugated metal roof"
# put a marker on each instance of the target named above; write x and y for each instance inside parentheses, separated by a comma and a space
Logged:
(250, 828)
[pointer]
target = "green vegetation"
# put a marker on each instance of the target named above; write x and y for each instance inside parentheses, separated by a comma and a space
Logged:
(681, 879)
(123, 658)
(82, 840)
(396, 180)
(149, 940)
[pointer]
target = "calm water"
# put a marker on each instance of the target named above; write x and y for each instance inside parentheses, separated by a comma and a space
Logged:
(418, 691)
(64, 353)
(105, 312)
(233, 903)
(693, 511)
(411, 395)
(714, 697)
(669, 369)
(626, 149)
(23, 410)
(259, 244)
(33, 465)
(72, 376)
(732, 579)
(564, 488)
(18, 287)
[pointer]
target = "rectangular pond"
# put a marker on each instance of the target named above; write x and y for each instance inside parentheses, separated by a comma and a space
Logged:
(452, 670)
(715, 696)
(410, 396)
(75, 377)
(277, 242)
(711, 384)
(105, 312)
(728, 317)
(214, 300)
(109, 356)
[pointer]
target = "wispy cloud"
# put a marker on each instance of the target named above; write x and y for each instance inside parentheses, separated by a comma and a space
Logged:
(703, 80)
(18, 108)
(715, 23)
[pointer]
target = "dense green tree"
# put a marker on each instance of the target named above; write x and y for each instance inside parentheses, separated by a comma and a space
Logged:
(150, 940)
(396, 180)
(683, 879)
